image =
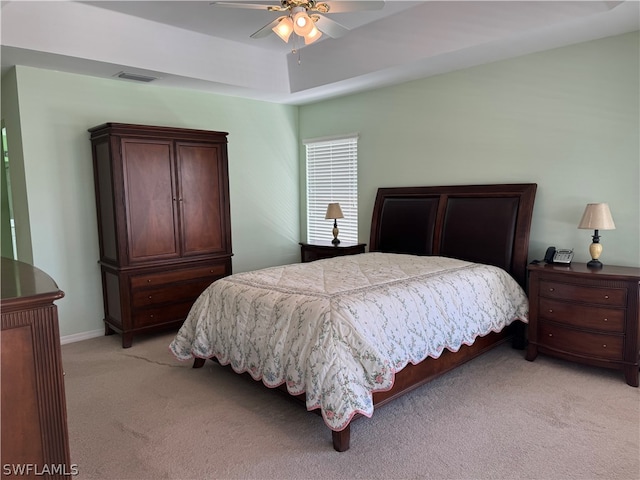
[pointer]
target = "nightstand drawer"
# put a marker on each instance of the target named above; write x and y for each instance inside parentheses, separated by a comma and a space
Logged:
(583, 316)
(582, 343)
(318, 251)
(581, 293)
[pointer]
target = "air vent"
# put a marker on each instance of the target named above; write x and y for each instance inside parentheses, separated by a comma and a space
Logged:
(135, 77)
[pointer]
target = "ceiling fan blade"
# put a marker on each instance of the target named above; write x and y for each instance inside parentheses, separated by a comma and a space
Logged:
(353, 6)
(266, 30)
(330, 27)
(253, 6)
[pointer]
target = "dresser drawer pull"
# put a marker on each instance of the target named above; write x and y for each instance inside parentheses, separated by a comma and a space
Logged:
(604, 346)
(551, 310)
(606, 319)
(551, 289)
(551, 334)
(606, 296)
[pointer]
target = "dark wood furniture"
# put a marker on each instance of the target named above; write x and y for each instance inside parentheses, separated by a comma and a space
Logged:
(317, 251)
(480, 223)
(34, 410)
(164, 225)
(586, 315)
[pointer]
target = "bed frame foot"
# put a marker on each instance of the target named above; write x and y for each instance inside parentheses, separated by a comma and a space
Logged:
(519, 340)
(341, 439)
(198, 362)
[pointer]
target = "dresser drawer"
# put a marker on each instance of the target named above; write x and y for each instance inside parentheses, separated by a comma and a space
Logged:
(582, 293)
(159, 315)
(165, 294)
(593, 345)
(156, 279)
(583, 316)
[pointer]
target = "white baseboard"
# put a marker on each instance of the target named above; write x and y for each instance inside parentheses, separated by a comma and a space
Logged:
(78, 337)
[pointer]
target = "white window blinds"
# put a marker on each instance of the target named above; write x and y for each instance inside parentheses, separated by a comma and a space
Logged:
(332, 176)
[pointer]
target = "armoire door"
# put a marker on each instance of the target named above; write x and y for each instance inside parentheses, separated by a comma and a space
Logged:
(202, 193)
(151, 200)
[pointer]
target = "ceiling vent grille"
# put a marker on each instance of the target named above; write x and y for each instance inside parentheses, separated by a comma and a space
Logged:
(135, 77)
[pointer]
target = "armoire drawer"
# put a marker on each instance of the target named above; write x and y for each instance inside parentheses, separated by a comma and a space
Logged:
(147, 297)
(582, 343)
(181, 275)
(159, 315)
(582, 316)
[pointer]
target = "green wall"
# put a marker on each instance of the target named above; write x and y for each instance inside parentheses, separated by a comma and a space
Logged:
(566, 119)
(55, 111)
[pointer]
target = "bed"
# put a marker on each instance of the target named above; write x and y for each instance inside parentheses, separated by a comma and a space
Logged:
(442, 283)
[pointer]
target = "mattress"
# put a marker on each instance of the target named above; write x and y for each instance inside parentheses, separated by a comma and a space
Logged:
(339, 329)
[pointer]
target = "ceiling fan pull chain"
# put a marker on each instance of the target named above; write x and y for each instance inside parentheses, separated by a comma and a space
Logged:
(295, 50)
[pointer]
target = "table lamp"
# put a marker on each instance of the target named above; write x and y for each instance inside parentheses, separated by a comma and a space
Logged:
(596, 216)
(333, 212)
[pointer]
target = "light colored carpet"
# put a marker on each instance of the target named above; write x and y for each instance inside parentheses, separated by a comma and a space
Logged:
(138, 413)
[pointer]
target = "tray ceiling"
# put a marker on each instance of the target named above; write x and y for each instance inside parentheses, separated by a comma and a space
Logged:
(197, 45)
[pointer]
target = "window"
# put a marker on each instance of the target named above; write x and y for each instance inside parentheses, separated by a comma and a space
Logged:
(332, 176)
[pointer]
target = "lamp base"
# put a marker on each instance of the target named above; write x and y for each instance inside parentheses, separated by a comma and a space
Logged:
(594, 264)
(335, 241)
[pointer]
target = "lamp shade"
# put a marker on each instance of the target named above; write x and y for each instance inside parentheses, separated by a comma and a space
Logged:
(312, 36)
(334, 211)
(302, 23)
(597, 216)
(284, 28)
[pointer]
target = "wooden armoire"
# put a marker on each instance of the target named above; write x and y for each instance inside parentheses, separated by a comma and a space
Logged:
(162, 196)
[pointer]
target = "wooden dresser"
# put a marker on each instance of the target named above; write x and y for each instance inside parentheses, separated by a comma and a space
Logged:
(586, 315)
(162, 196)
(34, 411)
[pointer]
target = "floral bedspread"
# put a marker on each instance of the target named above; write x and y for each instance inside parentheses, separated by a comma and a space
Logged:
(338, 329)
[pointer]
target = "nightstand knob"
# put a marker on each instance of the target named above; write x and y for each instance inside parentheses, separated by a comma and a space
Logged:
(551, 334)
(550, 310)
(604, 346)
(606, 319)
(551, 289)
(606, 296)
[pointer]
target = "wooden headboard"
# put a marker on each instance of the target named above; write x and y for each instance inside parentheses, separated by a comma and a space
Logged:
(479, 223)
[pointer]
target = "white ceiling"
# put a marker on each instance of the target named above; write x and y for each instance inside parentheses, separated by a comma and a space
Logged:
(197, 45)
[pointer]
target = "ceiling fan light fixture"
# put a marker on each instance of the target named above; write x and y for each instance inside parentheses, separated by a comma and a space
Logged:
(312, 36)
(284, 28)
(302, 24)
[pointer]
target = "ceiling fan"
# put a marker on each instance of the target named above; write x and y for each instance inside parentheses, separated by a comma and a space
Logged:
(305, 18)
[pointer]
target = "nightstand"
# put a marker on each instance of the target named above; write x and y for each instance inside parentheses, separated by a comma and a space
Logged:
(316, 251)
(586, 315)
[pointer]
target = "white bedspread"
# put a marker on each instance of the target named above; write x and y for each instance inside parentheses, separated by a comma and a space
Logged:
(338, 329)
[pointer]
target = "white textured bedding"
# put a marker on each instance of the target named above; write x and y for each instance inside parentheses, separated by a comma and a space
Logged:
(338, 329)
